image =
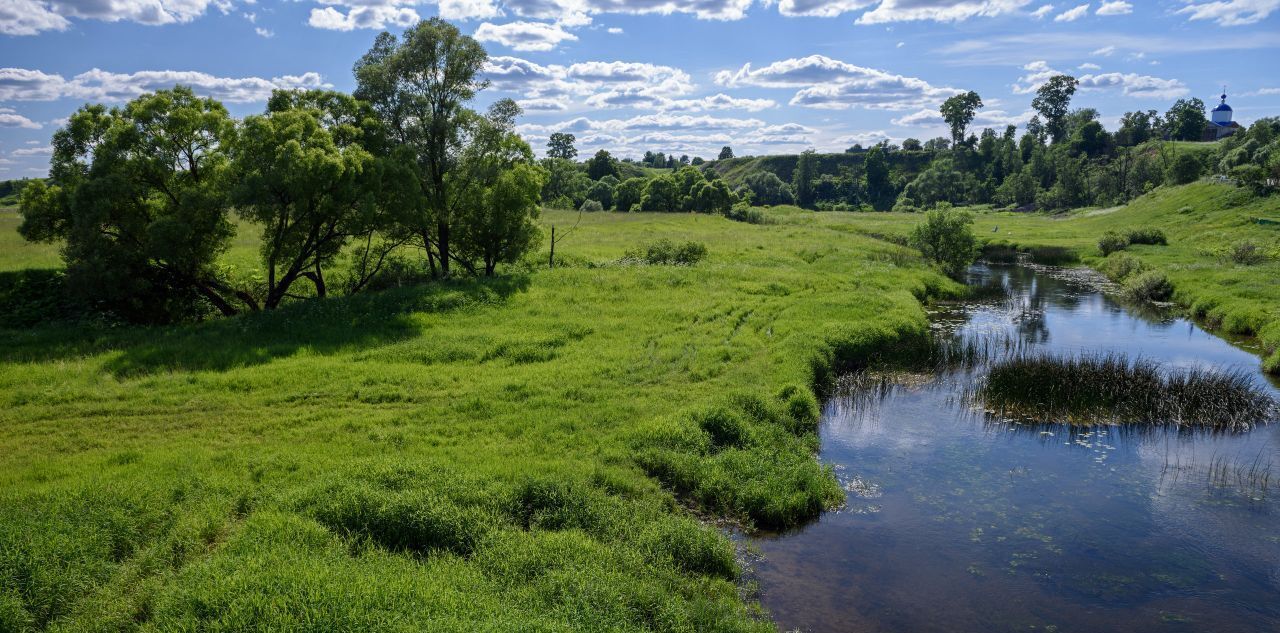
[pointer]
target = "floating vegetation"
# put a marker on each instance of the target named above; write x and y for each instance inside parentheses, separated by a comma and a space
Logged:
(1112, 389)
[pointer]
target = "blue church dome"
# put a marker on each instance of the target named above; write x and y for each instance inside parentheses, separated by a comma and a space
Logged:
(1223, 107)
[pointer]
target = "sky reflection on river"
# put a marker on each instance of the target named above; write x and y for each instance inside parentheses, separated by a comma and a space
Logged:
(956, 522)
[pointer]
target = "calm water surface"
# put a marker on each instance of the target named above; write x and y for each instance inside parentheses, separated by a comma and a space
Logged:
(957, 522)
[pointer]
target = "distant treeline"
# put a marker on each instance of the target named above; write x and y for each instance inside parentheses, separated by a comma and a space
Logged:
(1064, 159)
(11, 189)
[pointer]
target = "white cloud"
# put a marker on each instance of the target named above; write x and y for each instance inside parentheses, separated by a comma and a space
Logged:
(524, 36)
(614, 30)
(1043, 11)
(1038, 72)
(820, 8)
(938, 10)
(264, 32)
(1089, 66)
(984, 118)
(865, 139)
(641, 99)
(557, 9)
(20, 84)
(1115, 8)
(1072, 14)
(362, 17)
(10, 118)
(531, 80)
(834, 84)
(28, 17)
(543, 105)
(1135, 85)
(1231, 12)
(468, 9)
(1105, 51)
(32, 151)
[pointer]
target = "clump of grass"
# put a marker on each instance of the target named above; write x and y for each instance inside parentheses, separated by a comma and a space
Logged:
(1246, 253)
(1152, 285)
(999, 252)
(1121, 267)
(1111, 389)
(1146, 236)
(1112, 242)
(1052, 255)
(667, 252)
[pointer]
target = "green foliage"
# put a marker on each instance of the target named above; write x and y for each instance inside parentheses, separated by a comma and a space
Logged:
(660, 194)
(1246, 253)
(726, 153)
(501, 227)
(802, 181)
(1185, 169)
(137, 196)
(744, 212)
(560, 146)
(667, 252)
(1152, 285)
(1112, 241)
(601, 165)
(1121, 267)
(946, 238)
(1146, 236)
(1052, 101)
(1185, 121)
(627, 195)
(958, 111)
(768, 189)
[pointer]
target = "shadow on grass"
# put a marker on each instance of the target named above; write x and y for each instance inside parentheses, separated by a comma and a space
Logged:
(322, 325)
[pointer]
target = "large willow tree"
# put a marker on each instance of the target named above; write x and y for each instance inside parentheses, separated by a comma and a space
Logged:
(419, 85)
(138, 197)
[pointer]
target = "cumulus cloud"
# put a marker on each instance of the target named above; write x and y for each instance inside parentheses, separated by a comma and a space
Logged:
(524, 36)
(32, 151)
(701, 9)
(10, 118)
(1135, 85)
(834, 84)
(532, 80)
(938, 10)
(20, 84)
(1043, 11)
(1231, 12)
(1105, 51)
(865, 139)
(1115, 8)
(984, 118)
(820, 8)
(1072, 14)
(364, 17)
(677, 133)
(1089, 66)
(1038, 72)
(28, 17)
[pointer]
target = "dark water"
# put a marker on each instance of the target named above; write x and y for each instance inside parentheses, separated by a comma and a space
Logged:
(956, 522)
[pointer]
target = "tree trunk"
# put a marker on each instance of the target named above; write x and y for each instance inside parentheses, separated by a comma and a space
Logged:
(551, 261)
(442, 240)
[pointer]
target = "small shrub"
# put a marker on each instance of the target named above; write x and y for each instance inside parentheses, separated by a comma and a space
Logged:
(946, 237)
(1185, 169)
(666, 252)
(1149, 286)
(591, 205)
(724, 427)
(1121, 267)
(1246, 253)
(743, 212)
(690, 547)
(1146, 236)
(1111, 242)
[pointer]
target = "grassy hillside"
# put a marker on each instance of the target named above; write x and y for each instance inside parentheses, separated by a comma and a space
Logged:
(1202, 221)
(514, 454)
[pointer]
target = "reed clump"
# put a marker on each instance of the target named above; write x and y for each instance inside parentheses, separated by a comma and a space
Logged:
(1113, 389)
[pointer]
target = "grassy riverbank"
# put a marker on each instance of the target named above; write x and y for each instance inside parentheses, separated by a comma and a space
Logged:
(1203, 222)
(481, 455)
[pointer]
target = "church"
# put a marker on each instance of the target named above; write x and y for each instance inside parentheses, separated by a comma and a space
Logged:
(1220, 124)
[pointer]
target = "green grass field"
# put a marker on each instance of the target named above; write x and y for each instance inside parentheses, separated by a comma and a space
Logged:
(540, 451)
(515, 454)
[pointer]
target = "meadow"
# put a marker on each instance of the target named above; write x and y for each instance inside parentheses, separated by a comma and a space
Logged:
(552, 449)
(541, 451)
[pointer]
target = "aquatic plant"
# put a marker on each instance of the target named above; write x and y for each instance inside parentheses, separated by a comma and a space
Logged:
(1113, 389)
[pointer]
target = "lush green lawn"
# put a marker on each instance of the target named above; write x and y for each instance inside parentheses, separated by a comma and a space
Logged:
(1202, 221)
(515, 454)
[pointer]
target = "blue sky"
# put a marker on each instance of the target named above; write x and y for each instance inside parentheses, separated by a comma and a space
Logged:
(682, 76)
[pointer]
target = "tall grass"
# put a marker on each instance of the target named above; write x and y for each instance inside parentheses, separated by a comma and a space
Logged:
(1113, 389)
